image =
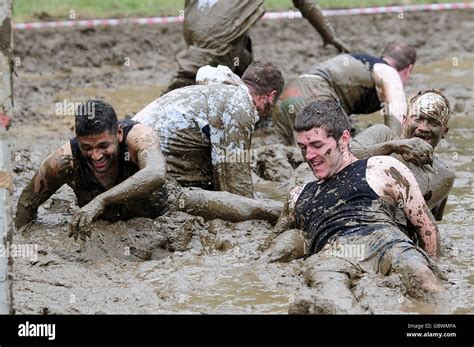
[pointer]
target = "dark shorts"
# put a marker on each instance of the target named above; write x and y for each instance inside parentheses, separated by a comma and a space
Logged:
(384, 251)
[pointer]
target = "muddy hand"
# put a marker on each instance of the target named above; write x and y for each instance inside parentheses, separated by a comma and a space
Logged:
(341, 46)
(24, 216)
(288, 246)
(416, 151)
(81, 223)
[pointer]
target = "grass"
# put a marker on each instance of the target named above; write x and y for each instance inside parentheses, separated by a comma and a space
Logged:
(34, 10)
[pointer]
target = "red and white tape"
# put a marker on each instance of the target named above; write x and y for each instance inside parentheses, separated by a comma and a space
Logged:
(269, 15)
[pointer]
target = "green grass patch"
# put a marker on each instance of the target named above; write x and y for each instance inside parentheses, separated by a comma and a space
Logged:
(34, 10)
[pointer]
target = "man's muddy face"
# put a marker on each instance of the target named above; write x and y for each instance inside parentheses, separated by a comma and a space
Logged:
(264, 104)
(322, 153)
(426, 120)
(101, 151)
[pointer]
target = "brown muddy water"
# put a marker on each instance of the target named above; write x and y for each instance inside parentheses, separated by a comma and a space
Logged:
(182, 264)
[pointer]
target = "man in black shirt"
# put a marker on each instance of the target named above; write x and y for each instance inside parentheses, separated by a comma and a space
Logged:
(345, 221)
(115, 169)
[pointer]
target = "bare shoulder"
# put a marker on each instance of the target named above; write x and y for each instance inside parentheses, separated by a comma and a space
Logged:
(384, 165)
(139, 130)
(60, 157)
(389, 178)
(383, 70)
(141, 137)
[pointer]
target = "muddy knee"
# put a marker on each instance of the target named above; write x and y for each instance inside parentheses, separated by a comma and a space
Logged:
(417, 275)
(320, 270)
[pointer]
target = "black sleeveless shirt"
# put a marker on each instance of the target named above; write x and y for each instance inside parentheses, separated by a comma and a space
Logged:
(369, 101)
(345, 203)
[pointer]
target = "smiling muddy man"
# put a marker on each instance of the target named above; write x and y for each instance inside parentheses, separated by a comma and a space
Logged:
(352, 203)
(115, 169)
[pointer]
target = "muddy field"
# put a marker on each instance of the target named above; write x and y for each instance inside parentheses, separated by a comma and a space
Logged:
(184, 264)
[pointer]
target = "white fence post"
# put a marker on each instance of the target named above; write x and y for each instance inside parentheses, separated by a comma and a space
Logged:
(6, 178)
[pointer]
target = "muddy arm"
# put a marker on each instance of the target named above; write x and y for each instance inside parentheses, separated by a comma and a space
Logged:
(144, 148)
(288, 246)
(372, 141)
(54, 171)
(285, 222)
(285, 243)
(395, 183)
(380, 140)
(390, 90)
(312, 12)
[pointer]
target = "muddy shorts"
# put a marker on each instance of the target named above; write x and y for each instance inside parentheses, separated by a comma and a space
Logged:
(237, 55)
(296, 95)
(384, 251)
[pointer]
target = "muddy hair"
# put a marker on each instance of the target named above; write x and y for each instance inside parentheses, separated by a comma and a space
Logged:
(402, 54)
(420, 93)
(264, 78)
(326, 114)
(94, 117)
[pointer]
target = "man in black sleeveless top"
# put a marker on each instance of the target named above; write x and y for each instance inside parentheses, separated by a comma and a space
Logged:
(346, 219)
(115, 169)
(360, 83)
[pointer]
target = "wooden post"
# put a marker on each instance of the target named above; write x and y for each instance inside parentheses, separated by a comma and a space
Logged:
(6, 178)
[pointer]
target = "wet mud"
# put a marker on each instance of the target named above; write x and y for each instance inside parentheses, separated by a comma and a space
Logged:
(179, 263)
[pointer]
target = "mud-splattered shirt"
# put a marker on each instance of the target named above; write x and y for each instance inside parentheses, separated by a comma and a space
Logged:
(206, 130)
(342, 204)
(350, 75)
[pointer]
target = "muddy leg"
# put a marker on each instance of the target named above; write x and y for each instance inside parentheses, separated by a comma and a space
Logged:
(420, 280)
(227, 206)
(241, 55)
(236, 55)
(331, 279)
(189, 61)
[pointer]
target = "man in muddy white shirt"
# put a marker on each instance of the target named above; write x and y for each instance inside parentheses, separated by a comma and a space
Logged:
(360, 83)
(345, 220)
(206, 130)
